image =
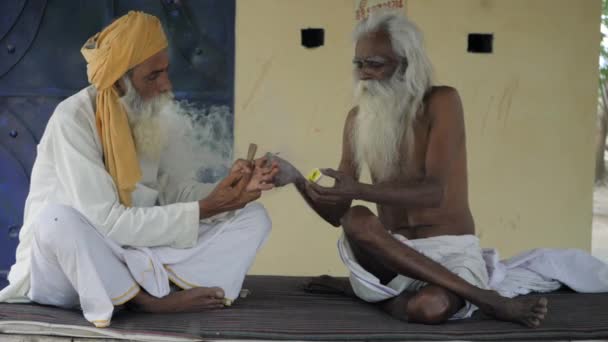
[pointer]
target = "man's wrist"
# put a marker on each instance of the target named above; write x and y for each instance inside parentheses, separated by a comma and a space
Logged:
(361, 191)
(206, 208)
(300, 182)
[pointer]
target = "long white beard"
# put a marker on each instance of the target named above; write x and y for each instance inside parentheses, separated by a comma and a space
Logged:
(383, 120)
(145, 120)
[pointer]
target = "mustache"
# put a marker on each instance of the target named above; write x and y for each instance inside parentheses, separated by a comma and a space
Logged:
(376, 88)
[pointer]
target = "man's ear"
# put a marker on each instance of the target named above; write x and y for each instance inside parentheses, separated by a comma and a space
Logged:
(120, 86)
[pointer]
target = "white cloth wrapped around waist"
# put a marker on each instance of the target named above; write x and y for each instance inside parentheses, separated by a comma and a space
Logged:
(459, 254)
(538, 270)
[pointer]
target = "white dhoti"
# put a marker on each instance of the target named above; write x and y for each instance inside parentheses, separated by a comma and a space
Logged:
(73, 265)
(461, 255)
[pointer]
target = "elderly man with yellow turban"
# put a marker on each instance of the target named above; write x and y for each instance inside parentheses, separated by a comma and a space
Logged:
(104, 224)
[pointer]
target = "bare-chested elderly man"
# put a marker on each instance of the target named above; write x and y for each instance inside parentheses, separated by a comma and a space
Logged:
(105, 222)
(419, 258)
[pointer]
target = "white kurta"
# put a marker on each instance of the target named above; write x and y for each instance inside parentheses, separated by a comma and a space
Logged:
(69, 172)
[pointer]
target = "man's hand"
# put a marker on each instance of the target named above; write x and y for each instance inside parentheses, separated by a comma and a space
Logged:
(287, 173)
(345, 188)
(264, 173)
(242, 165)
(231, 192)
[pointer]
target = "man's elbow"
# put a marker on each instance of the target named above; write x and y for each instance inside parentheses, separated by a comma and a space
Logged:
(335, 222)
(335, 219)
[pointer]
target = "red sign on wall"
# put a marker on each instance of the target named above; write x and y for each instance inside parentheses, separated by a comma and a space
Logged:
(364, 7)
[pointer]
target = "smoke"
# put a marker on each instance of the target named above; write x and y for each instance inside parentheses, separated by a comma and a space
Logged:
(200, 141)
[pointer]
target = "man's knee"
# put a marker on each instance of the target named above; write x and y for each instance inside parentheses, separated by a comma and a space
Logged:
(57, 224)
(356, 223)
(257, 218)
(431, 306)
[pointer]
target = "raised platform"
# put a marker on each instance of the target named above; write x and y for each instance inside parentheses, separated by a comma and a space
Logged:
(278, 309)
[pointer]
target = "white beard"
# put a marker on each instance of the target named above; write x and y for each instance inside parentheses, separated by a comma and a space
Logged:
(147, 129)
(384, 118)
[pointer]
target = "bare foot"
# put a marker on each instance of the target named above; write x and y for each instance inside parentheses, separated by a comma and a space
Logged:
(192, 300)
(528, 311)
(327, 284)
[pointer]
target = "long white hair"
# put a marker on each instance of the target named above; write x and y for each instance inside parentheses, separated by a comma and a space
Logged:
(387, 108)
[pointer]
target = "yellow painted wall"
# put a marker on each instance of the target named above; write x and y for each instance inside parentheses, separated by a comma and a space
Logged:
(530, 110)
(294, 101)
(530, 113)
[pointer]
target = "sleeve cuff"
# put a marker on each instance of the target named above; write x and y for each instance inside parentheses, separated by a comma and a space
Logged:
(189, 226)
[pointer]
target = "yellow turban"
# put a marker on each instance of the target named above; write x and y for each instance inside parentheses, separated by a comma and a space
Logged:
(127, 42)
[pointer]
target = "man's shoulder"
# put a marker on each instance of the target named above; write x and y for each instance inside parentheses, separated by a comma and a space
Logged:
(350, 118)
(78, 107)
(352, 113)
(441, 94)
(443, 105)
(441, 100)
